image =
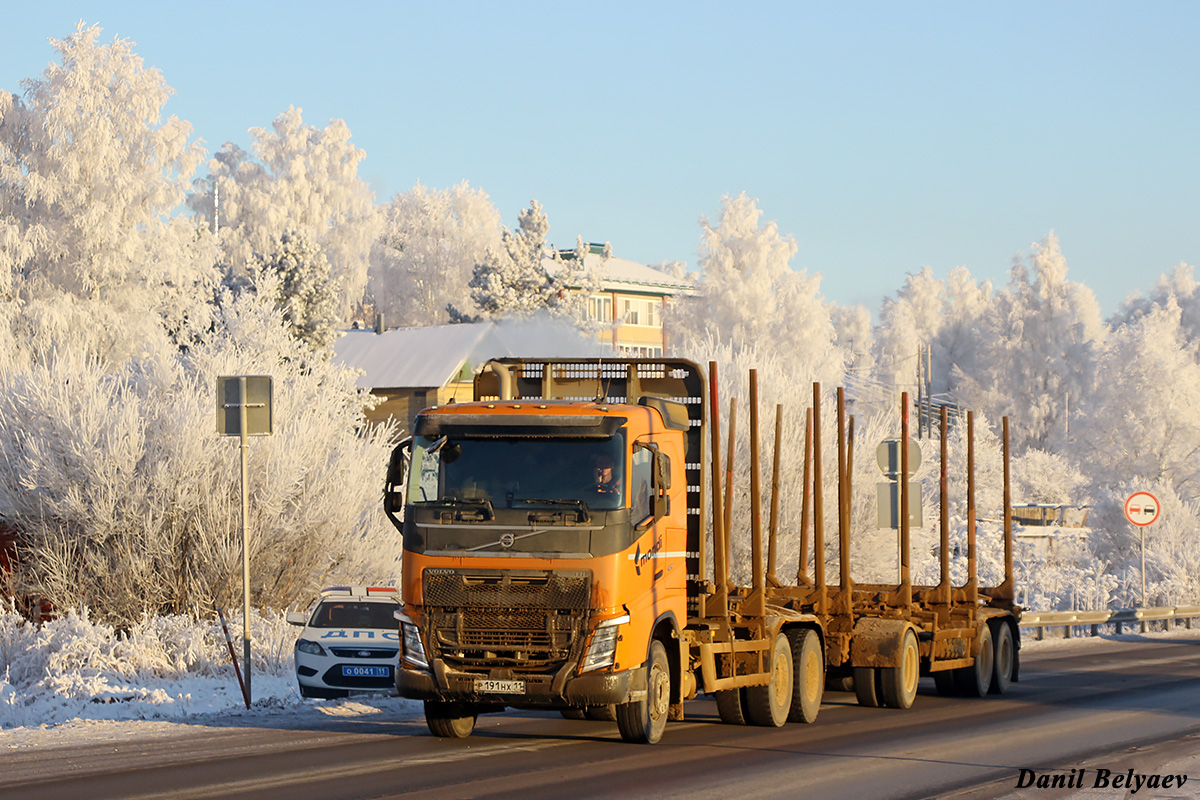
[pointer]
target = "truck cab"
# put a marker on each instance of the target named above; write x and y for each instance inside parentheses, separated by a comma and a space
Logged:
(545, 550)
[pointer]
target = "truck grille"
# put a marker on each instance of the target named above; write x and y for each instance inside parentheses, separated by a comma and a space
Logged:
(505, 618)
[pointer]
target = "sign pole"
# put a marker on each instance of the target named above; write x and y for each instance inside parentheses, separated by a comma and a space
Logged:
(1143, 532)
(1142, 509)
(243, 412)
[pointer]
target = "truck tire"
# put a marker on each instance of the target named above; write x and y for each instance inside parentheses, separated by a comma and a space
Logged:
(770, 705)
(731, 706)
(643, 721)
(975, 680)
(945, 683)
(606, 713)
(808, 677)
(449, 720)
(899, 684)
(865, 688)
(1005, 659)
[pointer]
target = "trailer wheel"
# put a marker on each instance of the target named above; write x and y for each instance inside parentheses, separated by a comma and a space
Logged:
(974, 681)
(449, 720)
(808, 677)
(1002, 667)
(899, 684)
(770, 705)
(643, 721)
(944, 681)
(731, 706)
(865, 689)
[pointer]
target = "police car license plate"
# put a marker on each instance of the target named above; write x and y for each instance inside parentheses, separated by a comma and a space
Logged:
(364, 672)
(486, 685)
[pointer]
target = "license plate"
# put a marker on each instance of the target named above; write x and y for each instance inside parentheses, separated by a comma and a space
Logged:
(364, 672)
(488, 686)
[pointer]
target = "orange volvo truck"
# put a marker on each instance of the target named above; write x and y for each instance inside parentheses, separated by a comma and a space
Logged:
(555, 556)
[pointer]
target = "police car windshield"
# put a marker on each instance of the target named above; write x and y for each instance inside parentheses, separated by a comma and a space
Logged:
(353, 614)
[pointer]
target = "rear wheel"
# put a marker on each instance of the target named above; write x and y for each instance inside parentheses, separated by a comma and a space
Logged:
(770, 705)
(944, 681)
(1005, 659)
(864, 687)
(731, 706)
(449, 720)
(808, 676)
(643, 721)
(974, 681)
(899, 683)
(840, 679)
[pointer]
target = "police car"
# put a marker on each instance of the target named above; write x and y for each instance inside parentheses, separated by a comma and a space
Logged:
(350, 642)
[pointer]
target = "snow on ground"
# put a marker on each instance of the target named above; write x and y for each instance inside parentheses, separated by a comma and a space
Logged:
(74, 680)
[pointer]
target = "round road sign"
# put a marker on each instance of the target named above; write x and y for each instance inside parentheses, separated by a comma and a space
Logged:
(1141, 508)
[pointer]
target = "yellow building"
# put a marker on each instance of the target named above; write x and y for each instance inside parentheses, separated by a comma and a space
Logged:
(630, 302)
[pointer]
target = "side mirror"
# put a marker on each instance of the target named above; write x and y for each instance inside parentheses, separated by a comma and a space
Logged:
(660, 501)
(297, 618)
(397, 479)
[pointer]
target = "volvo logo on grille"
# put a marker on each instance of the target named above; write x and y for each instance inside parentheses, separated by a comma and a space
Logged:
(506, 540)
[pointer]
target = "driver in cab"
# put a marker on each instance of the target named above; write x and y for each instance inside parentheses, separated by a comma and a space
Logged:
(608, 485)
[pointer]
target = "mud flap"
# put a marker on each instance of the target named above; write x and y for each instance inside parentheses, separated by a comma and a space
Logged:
(877, 642)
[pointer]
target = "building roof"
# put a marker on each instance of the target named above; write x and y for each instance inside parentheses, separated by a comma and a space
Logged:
(621, 274)
(409, 357)
(431, 356)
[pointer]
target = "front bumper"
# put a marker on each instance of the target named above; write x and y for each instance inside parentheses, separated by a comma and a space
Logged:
(563, 689)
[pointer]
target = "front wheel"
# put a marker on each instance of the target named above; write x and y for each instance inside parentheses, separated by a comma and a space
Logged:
(808, 681)
(606, 713)
(643, 721)
(449, 720)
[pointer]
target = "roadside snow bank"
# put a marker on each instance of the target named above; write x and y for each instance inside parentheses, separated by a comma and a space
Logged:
(166, 668)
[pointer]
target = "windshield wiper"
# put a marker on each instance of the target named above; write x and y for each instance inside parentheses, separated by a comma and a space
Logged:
(583, 516)
(480, 504)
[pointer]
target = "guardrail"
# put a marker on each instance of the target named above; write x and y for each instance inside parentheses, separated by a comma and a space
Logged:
(1168, 615)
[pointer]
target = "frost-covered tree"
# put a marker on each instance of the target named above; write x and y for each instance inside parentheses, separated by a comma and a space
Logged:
(430, 245)
(944, 316)
(1140, 420)
(90, 176)
(526, 275)
(1037, 350)
(1180, 286)
(127, 501)
(747, 292)
(298, 178)
(296, 276)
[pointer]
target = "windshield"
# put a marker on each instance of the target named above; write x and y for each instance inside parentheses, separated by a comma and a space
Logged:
(519, 473)
(353, 614)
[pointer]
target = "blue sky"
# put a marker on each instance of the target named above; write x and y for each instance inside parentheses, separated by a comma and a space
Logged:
(884, 137)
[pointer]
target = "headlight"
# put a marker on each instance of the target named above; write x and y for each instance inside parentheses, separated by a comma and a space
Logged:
(414, 651)
(603, 649)
(305, 646)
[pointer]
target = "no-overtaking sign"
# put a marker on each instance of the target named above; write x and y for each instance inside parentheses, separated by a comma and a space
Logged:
(1141, 508)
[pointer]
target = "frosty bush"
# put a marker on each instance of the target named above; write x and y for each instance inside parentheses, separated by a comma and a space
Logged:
(157, 667)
